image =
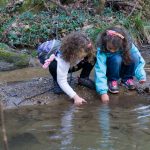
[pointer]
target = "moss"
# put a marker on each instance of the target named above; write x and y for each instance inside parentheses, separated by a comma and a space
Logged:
(3, 46)
(19, 60)
(23, 61)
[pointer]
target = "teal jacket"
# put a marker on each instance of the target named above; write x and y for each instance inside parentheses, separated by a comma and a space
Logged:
(100, 69)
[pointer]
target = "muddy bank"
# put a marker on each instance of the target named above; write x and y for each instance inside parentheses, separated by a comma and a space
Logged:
(39, 91)
(36, 91)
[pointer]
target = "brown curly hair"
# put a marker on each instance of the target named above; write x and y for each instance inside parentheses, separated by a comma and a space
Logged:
(124, 44)
(72, 45)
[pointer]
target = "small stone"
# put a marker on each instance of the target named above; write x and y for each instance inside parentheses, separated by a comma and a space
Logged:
(40, 79)
(146, 89)
(38, 102)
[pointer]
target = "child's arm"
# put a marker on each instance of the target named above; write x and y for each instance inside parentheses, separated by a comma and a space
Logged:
(62, 72)
(100, 73)
(140, 73)
(48, 61)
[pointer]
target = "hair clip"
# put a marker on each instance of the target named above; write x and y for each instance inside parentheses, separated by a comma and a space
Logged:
(114, 33)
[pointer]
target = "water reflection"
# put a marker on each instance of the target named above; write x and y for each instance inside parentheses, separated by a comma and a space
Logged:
(143, 116)
(104, 123)
(67, 128)
(91, 127)
(142, 111)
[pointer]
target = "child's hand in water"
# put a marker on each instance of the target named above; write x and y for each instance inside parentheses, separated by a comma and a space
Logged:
(78, 100)
(105, 98)
(142, 81)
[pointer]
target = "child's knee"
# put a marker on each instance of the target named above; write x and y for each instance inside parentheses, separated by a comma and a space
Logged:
(116, 59)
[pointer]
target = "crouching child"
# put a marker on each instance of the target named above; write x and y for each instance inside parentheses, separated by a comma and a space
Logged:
(73, 53)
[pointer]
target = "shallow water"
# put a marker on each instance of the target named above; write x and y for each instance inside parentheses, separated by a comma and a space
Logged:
(95, 126)
(22, 74)
(123, 124)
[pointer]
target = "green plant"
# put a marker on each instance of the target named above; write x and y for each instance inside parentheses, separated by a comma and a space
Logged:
(30, 28)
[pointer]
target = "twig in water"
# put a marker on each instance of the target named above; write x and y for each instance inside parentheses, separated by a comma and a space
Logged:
(3, 126)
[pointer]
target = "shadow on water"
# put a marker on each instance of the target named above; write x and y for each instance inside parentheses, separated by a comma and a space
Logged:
(122, 124)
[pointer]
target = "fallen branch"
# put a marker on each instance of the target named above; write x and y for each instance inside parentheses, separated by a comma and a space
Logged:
(134, 8)
(46, 6)
(122, 3)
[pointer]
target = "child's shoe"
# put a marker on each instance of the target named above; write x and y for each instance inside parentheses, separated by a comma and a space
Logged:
(57, 89)
(87, 83)
(129, 84)
(113, 87)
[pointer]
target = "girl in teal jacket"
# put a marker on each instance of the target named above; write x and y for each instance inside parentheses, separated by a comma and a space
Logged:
(117, 58)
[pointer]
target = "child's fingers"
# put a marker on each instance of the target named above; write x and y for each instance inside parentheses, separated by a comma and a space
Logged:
(84, 102)
(81, 103)
(78, 104)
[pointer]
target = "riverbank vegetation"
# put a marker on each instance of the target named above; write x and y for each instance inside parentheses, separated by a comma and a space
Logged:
(26, 23)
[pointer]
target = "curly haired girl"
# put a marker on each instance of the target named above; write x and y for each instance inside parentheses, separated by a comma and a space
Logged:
(75, 52)
(117, 58)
